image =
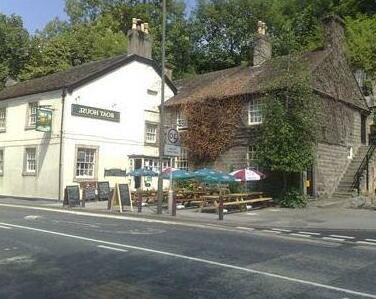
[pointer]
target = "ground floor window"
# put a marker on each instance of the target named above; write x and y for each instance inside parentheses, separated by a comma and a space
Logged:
(30, 165)
(153, 164)
(86, 162)
(1, 161)
(181, 162)
(251, 156)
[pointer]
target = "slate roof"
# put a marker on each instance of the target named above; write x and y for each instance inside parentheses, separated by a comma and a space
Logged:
(74, 77)
(251, 80)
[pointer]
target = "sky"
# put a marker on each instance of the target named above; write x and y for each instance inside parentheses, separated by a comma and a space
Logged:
(37, 13)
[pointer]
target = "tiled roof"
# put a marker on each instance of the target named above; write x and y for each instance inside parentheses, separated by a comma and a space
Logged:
(74, 77)
(252, 80)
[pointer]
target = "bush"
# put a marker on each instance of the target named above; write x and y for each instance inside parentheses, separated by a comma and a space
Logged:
(293, 199)
(235, 187)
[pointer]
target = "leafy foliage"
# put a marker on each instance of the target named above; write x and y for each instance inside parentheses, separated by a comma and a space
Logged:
(288, 133)
(14, 47)
(212, 127)
(293, 199)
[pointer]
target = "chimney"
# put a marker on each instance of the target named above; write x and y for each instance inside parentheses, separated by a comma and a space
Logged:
(169, 68)
(139, 39)
(334, 28)
(263, 47)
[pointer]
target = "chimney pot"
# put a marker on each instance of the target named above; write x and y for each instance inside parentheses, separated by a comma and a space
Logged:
(263, 47)
(139, 41)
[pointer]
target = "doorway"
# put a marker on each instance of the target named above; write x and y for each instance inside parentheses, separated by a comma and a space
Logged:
(363, 129)
(137, 179)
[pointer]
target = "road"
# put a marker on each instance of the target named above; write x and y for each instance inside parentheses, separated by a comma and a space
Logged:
(45, 254)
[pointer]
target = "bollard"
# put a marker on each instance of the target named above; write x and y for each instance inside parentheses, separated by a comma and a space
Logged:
(173, 210)
(220, 208)
(139, 201)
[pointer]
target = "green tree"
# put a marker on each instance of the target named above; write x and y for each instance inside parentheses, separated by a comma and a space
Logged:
(288, 132)
(60, 46)
(14, 47)
(361, 41)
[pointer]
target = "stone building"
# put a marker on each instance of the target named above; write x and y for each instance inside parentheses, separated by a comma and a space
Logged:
(344, 116)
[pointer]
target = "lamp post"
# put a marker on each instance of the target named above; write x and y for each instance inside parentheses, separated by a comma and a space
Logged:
(161, 116)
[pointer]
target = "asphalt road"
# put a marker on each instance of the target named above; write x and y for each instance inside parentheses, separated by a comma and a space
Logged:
(46, 254)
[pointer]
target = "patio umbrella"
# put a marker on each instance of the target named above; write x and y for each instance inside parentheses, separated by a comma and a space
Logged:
(218, 178)
(142, 172)
(178, 175)
(247, 174)
(203, 172)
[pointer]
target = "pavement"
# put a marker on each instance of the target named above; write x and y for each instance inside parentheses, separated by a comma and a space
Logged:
(312, 217)
(49, 252)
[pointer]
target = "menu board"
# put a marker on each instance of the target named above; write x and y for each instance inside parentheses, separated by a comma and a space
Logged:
(72, 195)
(103, 190)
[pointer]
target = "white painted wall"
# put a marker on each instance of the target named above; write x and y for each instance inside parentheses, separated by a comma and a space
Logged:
(17, 138)
(123, 90)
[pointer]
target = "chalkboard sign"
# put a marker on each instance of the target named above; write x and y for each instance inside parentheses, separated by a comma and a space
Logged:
(125, 195)
(88, 193)
(72, 195)
(103, 190)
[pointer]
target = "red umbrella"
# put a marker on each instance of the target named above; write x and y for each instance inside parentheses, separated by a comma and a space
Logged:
(247, 174)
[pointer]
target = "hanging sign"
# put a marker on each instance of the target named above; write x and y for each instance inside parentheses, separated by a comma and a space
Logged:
(96, 113)
(43, 120)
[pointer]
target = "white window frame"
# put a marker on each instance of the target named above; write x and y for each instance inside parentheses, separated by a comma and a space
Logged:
(86, 169)
(254, 112)
(151, 133)
(30, 161)
(252, 156)
(2, 161)
(181, 121)
(31, 116)
(3, 119)
(181, 162)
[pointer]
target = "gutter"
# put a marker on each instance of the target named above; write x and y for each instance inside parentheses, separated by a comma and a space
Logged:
(63, 95)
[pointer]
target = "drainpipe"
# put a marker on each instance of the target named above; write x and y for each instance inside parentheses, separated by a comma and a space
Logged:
(64, 93)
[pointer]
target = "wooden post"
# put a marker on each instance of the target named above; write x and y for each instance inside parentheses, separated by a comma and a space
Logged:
(220, 207)
(139, 200)
(173, 209)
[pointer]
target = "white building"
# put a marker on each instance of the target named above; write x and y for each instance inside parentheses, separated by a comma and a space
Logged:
(105, 115)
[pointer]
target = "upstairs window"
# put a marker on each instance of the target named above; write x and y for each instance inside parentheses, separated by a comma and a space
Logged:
(254, 112)
(32, 114)
(181, 121)
(3, 119)
(151, 133)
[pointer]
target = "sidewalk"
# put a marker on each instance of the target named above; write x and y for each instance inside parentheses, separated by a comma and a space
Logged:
(311, 217)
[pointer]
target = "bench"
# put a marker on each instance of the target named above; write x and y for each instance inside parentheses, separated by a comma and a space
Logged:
(243, 203)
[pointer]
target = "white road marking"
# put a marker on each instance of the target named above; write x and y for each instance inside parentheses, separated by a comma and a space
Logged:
(32, 217)
(310, 233)
(300, 235)
(371, 240)
(333, 239)
(5, 227)
(342, 237)
(282, 230)
(366, 243)
(112, 248)
(245, 228)
(203, 261)
(271, 231)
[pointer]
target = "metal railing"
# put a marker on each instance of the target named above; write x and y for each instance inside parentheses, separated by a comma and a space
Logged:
(364, 166)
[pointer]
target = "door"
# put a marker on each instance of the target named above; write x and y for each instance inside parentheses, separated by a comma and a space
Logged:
(137, 179)
(363, 129)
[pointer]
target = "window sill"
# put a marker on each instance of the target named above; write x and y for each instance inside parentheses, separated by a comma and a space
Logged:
(27, 128)
(82, 179)
(3, 130)
(29, 173)
(254, 124)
